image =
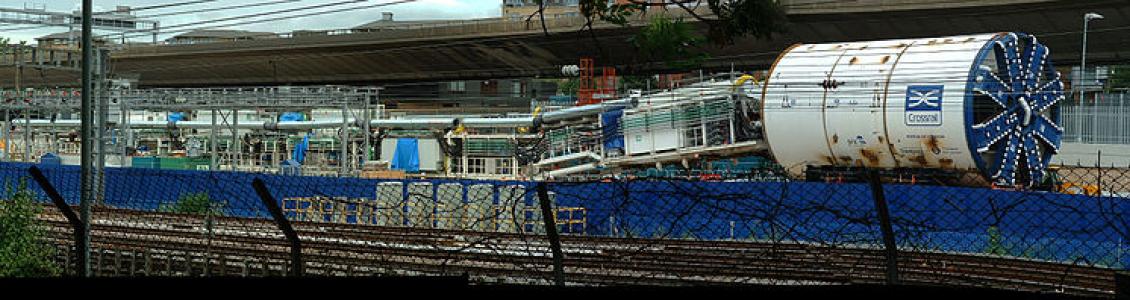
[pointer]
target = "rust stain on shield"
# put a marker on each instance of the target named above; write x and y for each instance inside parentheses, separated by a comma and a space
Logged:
(946, 163)
(919, 160)
(933, 144)
(871, 156)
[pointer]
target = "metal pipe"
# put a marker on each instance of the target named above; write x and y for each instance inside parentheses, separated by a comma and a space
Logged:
(447, 121)
(212, 145)
(254, 125)
(573, 169)
(432, 122)
(123, 135)
(20, 95)
(586, 110)
(87, 118)
(103, 116)
(343, 157)
(7, 134)
(367, 128)
(235, 140)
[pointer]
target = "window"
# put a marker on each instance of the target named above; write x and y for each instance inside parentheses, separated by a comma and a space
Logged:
(488, 88)
(516, 89)
(502, 166)
(457, 86)
(692, 136)
(476, 165)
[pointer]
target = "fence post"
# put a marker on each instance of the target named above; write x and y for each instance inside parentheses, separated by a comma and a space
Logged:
(81, 256)
(284, 225)
(551, 232)
(885, 225)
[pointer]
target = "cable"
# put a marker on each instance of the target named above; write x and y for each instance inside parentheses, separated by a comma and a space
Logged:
(218, 8)
(166, 5)
(26, 28)
(321, 13)
(318, 13)
(256, 14)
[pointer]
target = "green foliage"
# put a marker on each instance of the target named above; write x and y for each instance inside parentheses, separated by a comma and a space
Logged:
(738, 18)
(194, 203)
(996, 244)
(1119, 77)
(23, 251)
(615, 13)
(731, 18)
(568, 86)
(4, 45)
(634, 82)
(670, 40)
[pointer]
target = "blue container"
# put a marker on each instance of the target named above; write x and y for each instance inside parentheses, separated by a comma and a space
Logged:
(752, 159)
(50, 159)
(147, 162)
(562, 100)
(290, 167)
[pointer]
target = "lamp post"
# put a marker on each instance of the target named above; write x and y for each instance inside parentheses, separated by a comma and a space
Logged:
(1083, 74)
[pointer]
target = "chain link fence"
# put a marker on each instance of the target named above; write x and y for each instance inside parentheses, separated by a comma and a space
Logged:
(868, 227)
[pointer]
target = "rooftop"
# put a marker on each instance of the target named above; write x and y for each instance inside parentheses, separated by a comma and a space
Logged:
(65, 36)
(223, 33)
(387, 22)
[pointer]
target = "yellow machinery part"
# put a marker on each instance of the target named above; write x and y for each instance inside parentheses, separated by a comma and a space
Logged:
(1078, 189)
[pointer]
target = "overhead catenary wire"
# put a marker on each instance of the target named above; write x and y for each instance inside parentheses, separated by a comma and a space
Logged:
(229, 7)
(289, 17)
(255, 15)
(160, 6)
(26, 28)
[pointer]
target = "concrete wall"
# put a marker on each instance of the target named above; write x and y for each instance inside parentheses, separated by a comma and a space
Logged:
(1088, 155)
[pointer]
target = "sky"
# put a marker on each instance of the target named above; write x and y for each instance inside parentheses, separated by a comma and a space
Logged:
(419, 10)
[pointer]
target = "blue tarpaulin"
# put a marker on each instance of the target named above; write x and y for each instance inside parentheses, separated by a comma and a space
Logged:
(1037, 225)
(176, 117)
(407, 155)
(292, 117)
(299, 154)
(610, 125)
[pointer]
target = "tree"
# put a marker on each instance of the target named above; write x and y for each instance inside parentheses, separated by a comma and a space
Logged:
(669, 40)
(198, 204)
(193, 203)
(1119, 78)
(24, 251)
(568, 86)
(727, 21)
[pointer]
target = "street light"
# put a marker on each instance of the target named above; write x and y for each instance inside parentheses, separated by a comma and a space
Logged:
(1083, 72)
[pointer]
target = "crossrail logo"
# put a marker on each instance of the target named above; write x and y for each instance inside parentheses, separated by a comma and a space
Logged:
(924, 105)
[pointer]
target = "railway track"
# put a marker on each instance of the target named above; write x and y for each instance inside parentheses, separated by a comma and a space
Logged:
(136, 243)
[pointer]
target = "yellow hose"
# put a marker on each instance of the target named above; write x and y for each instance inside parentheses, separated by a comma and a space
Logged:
(743, 79)
(537, 110)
